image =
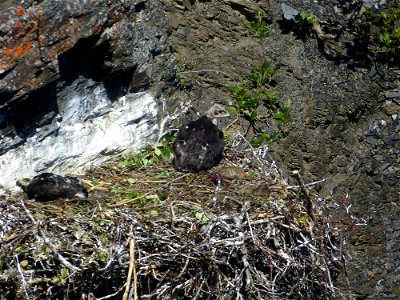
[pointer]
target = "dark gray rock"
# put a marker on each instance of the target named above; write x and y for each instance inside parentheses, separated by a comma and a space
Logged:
(339, 125)
(79, 80)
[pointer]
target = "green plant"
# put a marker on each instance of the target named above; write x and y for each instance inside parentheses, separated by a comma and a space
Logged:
(306, 21)
(125, 193)
(129, 194)
(245, 102)
(95, 181)
(162, 174)
(381, 31)
(138, 160)
(271, 100)
(262, 73)
(263, 137)
(258, 28)
(153, 153)
(283, 115)
(62, 278)
(250, 95)
(389, 31)
(183, 81)
(204, 217)
(254, 92)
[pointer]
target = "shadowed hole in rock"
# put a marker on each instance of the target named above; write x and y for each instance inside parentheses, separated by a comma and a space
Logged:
(140, 6)
(89, 59)
(38, 110)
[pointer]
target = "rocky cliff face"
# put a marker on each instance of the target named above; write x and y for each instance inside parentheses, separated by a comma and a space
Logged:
(346, 116)
(79, 81)
(82, 80)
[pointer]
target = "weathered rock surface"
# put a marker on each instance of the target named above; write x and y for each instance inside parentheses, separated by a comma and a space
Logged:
(346, 117)
(88, 60)
(78, 81)
(46, 41)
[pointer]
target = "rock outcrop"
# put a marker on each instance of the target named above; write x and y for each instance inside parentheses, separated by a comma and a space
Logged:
(79, 80)
(346, 116)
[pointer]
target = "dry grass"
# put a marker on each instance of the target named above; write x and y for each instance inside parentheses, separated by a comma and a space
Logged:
(153, 233)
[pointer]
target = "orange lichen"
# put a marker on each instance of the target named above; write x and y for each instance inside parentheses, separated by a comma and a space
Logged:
(34, 83)
(18, 25)
(16, 52)
(20, 11)
(65, 45)
(23, 28)
(76, 26)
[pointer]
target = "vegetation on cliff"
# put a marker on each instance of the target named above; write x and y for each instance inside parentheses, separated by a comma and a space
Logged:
(147, 231)
(151, 233)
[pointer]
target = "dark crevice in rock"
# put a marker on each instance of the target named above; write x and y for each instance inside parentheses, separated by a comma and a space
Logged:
(84, 59)
(140, 6)
(140, 81)
(38, 110)
(4, 74)
(6, 95)
(117, 84)
(244, 9)
(89, 60)
(20, 121)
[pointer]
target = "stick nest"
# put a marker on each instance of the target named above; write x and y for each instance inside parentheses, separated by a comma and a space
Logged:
(153, 233)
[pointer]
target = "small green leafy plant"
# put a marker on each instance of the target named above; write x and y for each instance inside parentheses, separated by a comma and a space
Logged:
(204, 217)
(262, 74)
(95, 181)
(62, 278)
(245, 102)
(125, 193)
(380, 30)
(254, 92)
(258, 28)
(283, 115)
(152, 154)
(389, 31)
(183, 81)
(129, 194)
(263, 137)
(306, 21)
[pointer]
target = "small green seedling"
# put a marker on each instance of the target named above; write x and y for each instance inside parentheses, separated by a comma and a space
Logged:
(262, 74)
(263, 138)
(306, 21)
(258, 28)
(204, 217)
(283, 115)
(381, 32)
